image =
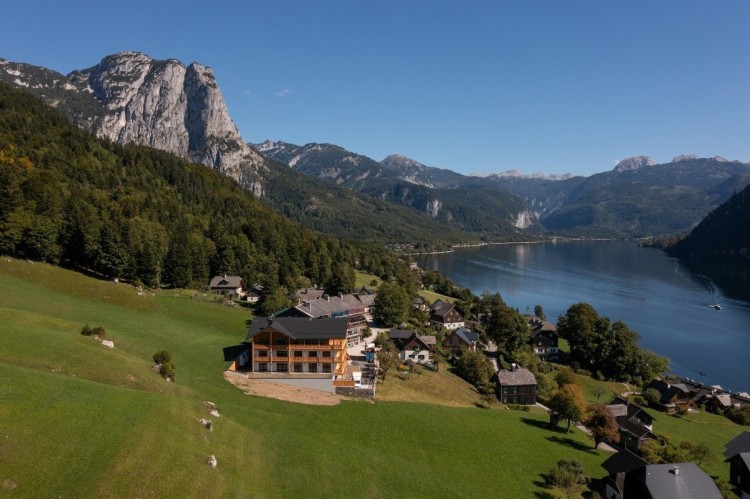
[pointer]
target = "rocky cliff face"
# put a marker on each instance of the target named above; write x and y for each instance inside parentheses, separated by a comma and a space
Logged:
(165, 105)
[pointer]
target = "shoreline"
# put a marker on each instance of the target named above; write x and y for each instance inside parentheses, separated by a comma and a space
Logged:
(553, 240)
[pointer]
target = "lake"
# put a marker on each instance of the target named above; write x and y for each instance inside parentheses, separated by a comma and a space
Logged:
(655, 295)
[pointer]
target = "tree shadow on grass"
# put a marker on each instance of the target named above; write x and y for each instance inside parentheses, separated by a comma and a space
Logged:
(569, 442)
(544, 425)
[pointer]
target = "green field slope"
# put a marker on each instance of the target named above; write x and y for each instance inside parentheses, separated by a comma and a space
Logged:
(80, 420)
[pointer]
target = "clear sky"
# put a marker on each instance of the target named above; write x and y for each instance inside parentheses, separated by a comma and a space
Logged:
(473, 86)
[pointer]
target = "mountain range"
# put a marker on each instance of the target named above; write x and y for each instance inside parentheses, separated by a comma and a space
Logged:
(131, 98)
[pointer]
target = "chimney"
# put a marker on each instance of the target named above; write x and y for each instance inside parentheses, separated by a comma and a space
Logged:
(677, 470)
(513, 367)
(341, 295)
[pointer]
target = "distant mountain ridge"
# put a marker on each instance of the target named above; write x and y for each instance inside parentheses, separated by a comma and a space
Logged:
(466, 205)
(131, 98)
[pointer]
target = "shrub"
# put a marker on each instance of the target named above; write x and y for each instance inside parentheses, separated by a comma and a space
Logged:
(162, 357)
(167, 370)
(94, 331)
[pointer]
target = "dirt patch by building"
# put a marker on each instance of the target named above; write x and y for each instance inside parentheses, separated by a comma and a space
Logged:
(281, 391)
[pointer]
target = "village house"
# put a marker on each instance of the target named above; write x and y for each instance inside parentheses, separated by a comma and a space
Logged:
(446, 314)
(516, 385)
(618, 465)
(302, 347)
(740, 443)
(666, 481)
(420, 303)
(672, 395)
(634, 424)
(739, 474)
(544, 338)
(412, 346)
(228, 285)
(459, 339)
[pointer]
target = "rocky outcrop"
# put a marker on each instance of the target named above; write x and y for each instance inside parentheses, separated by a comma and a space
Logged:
(524, 219)
(131, 98)
(634, 163)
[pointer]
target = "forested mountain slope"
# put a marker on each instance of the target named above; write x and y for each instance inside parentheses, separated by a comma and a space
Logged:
(139, 213)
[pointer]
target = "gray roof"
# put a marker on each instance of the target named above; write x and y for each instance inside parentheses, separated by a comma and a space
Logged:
(400, 334)
(623, 462)
(618, 410)
(300, 327)
(740, 443)
(309, 293)
(441, 308)
(662, 482)
(226, 281)
(467, 335)
(329, 305)
(519, 377)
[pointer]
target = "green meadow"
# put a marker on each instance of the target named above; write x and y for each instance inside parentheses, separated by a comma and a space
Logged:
(78, 419)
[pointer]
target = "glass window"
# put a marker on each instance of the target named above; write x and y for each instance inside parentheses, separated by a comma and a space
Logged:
(282, 353)
(261, 353)
(312, 368)
(298, 367)
(298, 353)
(282, 367)
(326, 368)
(312, 353)
(279, 341)
(326, 354)
(263, 367)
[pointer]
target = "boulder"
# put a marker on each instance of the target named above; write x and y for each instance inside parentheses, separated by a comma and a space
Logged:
(108, 343)
(212, 461)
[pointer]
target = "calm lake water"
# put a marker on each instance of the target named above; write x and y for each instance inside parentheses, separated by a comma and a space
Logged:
(667, 304)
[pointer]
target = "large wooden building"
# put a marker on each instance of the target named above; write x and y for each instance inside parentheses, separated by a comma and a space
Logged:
(516, 386)
(298, 346)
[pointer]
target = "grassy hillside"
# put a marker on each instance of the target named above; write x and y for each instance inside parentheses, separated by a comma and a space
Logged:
(94, 421)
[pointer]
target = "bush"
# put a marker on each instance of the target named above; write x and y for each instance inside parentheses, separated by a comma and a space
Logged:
(167, 370)
(518, 407)
(95, 331)
(162, 357)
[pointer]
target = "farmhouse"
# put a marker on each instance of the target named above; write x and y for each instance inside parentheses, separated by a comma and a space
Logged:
(412, 346)
(544, 338)
(739, 473)
(670, 481)
(446, 314)
(461, 338)
(634, 424)
(227, 285)
(515, 386)
(297, 346)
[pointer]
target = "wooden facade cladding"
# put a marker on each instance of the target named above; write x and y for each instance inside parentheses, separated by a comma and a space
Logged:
(330, 354)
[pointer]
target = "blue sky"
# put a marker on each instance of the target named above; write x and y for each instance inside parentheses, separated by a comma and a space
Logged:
(482, 86)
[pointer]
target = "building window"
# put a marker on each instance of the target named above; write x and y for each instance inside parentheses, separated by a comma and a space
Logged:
(326, 354)
(261, 341)
(326, 368)
(421, 357)
(282, 353)
(298, 353)
(298, 367)
(312, 368)
(312, 354)
(263, 367)
(279, 341)
(282, 367)
(261, 353)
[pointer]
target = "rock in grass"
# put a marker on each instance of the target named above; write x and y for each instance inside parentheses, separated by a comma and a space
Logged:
(108, 343)
(212, 461)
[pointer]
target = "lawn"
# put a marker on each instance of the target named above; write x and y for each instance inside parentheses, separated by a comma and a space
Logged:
(80, 420)
(363, 279)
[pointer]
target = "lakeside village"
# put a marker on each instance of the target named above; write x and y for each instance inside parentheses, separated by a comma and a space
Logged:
(338, 344)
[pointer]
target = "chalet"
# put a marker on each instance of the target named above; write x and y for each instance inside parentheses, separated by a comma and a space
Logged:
(298, 346)
(618, 465)
(309, 294)
(634, 424)
(544, 338)
(672, 394)
(669, 481)
(461, 338)
(515, 386)
(227, 285)
(412, 346)
(446, 314)
(739, 474)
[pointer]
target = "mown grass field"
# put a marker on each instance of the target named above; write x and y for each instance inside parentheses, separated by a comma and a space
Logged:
(80, 420)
